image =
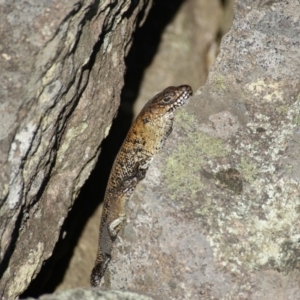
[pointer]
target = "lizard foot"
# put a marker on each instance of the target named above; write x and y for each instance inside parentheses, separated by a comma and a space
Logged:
(115, 226)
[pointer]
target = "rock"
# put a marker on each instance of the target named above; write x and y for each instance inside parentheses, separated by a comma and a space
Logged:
(93, 294)
(179, 41)
(62, 72)
(217, 216)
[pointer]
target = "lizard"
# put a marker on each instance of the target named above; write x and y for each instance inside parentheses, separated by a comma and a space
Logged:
(145, 137)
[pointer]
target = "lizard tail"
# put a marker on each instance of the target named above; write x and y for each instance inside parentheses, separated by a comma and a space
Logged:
(98, 271)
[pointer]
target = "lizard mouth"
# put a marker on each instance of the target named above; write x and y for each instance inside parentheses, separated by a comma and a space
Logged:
(186, 93)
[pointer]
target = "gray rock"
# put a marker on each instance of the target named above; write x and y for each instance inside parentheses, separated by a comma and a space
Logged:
(169, 66)
(62, 68)
(93, 294)
(217, 216)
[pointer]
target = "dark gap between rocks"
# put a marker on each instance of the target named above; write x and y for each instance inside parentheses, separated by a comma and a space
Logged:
(142, 51)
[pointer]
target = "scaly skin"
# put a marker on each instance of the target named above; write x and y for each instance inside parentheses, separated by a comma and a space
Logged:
(145, 137)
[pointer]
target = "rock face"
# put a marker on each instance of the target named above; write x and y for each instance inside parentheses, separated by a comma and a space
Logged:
(180, 43)
(93, 294)
(62, 67)
(217, 216)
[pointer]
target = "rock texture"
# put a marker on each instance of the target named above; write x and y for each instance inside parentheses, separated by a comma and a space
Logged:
(62, 67)
(93, 294)
(217, 216)
(192, 31)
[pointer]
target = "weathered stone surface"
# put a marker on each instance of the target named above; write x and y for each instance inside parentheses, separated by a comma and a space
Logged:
(193, 30)
(62, 67)
(217, 216)
(93, 294)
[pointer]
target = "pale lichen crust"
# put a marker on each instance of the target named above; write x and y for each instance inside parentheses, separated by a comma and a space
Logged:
(183, 171)
(241, 188)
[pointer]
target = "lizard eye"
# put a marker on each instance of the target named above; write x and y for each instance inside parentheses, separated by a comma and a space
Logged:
(167, 99)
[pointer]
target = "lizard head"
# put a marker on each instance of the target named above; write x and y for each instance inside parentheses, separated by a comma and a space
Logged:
(172, 97)
(169, 100)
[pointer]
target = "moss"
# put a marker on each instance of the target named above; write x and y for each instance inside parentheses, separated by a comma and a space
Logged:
(220, 83)
(247, 169)
(183, 166)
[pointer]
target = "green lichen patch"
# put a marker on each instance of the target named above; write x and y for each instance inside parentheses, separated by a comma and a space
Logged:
(220, 83)
(247, 169)
(183, 166)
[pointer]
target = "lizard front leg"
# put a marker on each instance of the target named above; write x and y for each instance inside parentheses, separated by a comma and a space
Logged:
(115, 226)
(117, 216)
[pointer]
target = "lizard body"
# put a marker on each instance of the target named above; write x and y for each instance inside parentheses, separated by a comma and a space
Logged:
(145, 137)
